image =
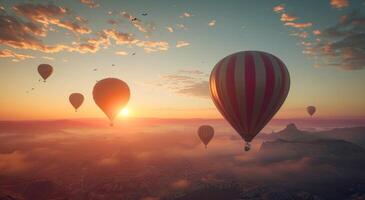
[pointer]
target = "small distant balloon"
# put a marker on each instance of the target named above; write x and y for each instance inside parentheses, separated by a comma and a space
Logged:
(311, 110)
(206, 133)
(45, 70)
(111, 95)
(76, 100)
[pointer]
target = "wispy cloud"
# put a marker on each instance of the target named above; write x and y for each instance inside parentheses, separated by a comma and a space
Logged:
(51, 15)
(181, 26)
(279, 8)
(90, 3)
(138, 24)
(299, 25)
(212, 23)
(121, 53)
(316, 32)
(343, 45)
(287, 18)
(6, 53)
(339, 3)
(186, 15)
(182, 44)
(170, 29)
(186, 82)
(23, 35)
(47, 58)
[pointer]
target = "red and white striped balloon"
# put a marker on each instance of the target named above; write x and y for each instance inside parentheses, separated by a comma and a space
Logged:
(248, 88)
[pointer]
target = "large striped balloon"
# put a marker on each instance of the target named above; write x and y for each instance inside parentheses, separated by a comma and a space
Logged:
(248, 88)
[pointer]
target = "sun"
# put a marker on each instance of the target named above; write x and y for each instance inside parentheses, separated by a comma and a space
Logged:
(124, 112)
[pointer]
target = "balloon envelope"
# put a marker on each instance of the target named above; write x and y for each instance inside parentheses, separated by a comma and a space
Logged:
(111, 95)
(311, 110)
(45, 70)
(206, 133)
(76, 99)
(248, 88)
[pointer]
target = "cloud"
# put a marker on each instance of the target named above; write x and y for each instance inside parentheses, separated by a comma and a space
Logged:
(47, 58)
(90, 3)
(112, 22)
(181, 26)
(182, 44)
(200, 89)
(287, 18)
(186, 82)
(153, 46)
(170, 29)
(13, 163)
(138, 24)
(91, 45)
(180, 184)
(279, 8)
(339, 3)
(298, 25)
(343, 45)
(316, 32)
(51, 15)
(121, 53)
(186, 15)
(22, 35)
(122, 38)
(302, 34)
(6, 53)
(212, 23)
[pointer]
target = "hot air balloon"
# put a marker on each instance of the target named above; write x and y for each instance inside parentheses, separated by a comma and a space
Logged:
(45, 70)
(248, 88)
(311, 110)
(206, 134)
(76, 99)
(111, 95)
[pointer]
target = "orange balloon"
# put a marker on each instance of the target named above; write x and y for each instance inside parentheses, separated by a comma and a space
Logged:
(45, 70)
(76, 99)
(111, 95)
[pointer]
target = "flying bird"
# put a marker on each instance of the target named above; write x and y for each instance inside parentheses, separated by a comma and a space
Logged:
(144, 14)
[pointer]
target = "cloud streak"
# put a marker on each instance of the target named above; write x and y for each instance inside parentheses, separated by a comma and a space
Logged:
(339, 3)
(6, 53)
(182, 44)
(51, 15)
(187, 82)
(90, 3)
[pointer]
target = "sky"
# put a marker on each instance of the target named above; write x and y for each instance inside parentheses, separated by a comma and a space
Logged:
(167, 54)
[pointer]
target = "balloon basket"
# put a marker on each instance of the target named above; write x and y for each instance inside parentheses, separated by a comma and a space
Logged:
(247, 146)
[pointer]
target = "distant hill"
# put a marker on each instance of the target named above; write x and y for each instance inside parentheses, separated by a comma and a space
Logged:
(292, 133)
(352, 134)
